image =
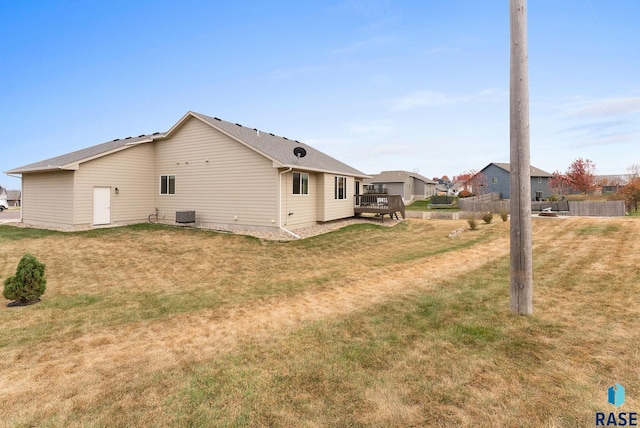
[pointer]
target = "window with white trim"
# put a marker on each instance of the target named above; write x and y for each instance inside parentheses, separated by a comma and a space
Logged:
(300, 183)
(167, 184)
(494, 180)
(340, 188)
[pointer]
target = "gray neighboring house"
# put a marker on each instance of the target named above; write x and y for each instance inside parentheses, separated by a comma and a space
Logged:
(410, 185)
(13, 198)
(231, 176)
(498, 177)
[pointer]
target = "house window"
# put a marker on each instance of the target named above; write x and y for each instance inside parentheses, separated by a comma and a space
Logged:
(167, 184)
(494, 180)
(300, 183)
(341, 188)
(357, 190)
(539, 179)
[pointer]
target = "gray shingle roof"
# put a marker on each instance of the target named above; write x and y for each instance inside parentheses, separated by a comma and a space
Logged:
(67, 160)
(280, 149)
(398, 177)
(535, 172)
(276, 148)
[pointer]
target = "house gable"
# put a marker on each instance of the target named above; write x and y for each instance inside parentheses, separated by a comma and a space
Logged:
(224, 181)
(280, 150)
(498, 178)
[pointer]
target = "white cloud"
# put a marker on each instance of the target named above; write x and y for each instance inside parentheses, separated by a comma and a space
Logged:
(374, 42)
(391, 149)
(383, 126)
(604, 107)
(433, 99)
(607, 140)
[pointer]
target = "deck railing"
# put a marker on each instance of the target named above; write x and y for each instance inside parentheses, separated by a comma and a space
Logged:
(379, 203)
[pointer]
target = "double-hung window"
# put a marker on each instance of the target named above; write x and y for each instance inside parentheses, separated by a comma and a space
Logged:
(167, 184)
(340, 187)
(300, 183)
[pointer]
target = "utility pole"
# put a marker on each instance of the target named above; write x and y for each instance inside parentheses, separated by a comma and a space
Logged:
(521, 278)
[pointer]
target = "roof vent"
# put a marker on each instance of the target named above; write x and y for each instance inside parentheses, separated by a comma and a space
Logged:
(140, 135)
(271, 134)
(128, 138)
(286, 138)
(237, 124)
(218, 119)
(117, 139)
(156, 133)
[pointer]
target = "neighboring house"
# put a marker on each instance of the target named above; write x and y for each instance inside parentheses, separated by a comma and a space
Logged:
(459, 186)
(446, 187)
(13, 198)
(410, 185)
(232, 176)
(497, 179)
(608, 184)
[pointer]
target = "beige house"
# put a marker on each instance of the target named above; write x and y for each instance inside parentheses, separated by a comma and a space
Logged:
(410, 185)
(204, 170)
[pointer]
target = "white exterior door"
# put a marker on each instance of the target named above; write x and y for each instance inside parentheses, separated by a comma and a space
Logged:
(101, 205)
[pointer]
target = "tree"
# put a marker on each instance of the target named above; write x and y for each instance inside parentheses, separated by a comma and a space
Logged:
(473, 181)
(631, 191)
(581, 175)
(28, 284)
(559, 183)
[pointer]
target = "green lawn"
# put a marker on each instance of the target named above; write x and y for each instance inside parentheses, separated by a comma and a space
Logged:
(424, 206)
(365, 326)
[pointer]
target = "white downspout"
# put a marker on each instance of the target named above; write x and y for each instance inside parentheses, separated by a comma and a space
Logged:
(280, 205)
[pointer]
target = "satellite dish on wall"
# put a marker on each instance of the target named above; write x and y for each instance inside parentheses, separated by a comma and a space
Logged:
(299, 152)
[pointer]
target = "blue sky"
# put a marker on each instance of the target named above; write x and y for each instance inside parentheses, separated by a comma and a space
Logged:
(381, 85)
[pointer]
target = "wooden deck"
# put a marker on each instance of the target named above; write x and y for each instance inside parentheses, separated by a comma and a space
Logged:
(379, 203)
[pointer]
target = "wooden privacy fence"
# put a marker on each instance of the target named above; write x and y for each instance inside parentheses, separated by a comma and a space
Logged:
(578, 208)
(489, 202)
(597, 209)
(557, 206)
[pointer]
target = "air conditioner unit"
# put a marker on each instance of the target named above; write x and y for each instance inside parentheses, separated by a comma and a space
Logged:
(185, 216)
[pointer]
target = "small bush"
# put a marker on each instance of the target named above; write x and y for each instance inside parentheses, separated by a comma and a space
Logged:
(28, 284)
(473, 223)
(465, 194)
(504, 215)
(487, 217)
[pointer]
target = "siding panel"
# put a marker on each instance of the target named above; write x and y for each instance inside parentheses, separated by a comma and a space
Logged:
(337, 208)
(226, 183)
(48, 198)
(131, 171)
(302, 207)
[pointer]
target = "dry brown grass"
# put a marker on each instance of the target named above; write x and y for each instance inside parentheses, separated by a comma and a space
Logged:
(366, 326)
